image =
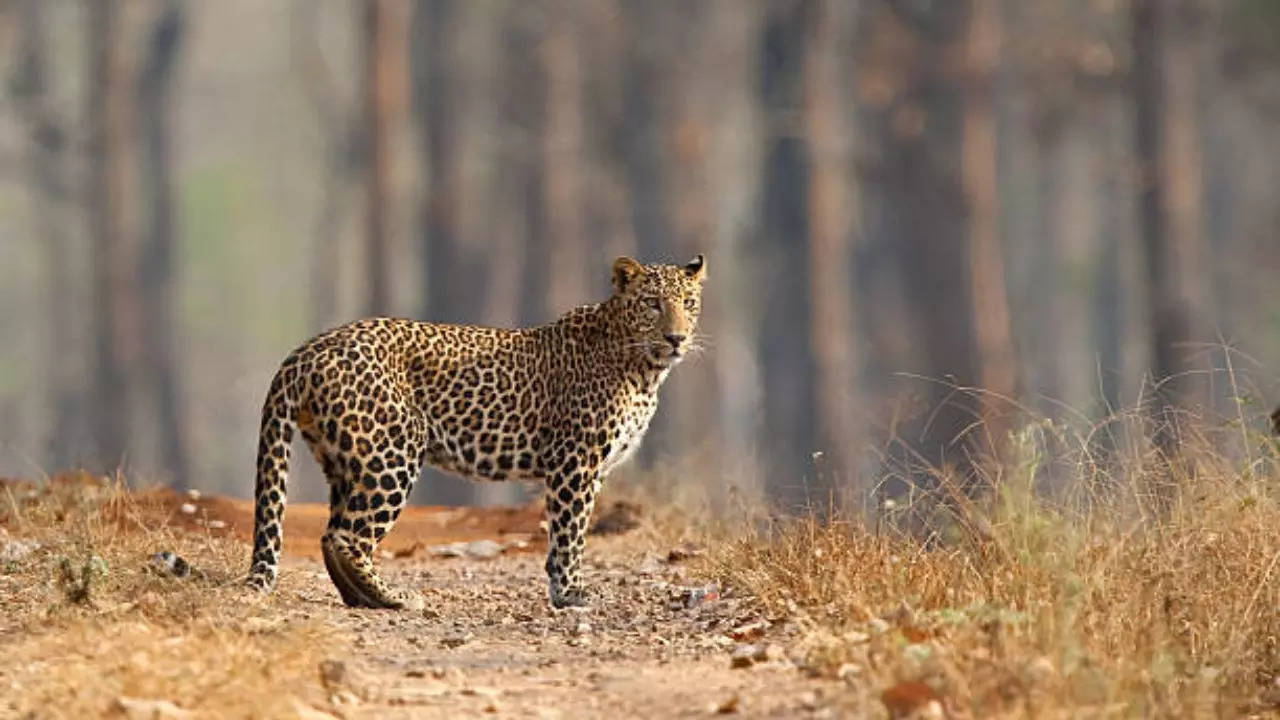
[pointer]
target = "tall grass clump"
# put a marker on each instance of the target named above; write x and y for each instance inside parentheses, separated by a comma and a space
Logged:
(1113, 569)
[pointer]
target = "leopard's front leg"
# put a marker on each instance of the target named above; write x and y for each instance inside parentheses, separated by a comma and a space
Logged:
(571, 495)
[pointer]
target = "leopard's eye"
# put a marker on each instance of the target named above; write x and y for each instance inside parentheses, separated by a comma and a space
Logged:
(690, 304)
(654, 304)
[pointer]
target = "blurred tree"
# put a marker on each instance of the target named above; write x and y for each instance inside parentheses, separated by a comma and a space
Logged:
(436, 103)
(1171, 205)
(115, 309)
(787, 324)
(385, 85)
(915, 123)
(993, 338)
(49, 185)
(562, 162)
(643, 122)
(832, 207)
(339, 126)
(159, 299)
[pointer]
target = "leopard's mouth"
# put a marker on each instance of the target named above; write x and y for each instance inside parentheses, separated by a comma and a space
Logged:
(666, 356)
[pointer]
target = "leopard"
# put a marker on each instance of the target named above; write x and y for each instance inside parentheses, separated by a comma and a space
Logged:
(559, 405)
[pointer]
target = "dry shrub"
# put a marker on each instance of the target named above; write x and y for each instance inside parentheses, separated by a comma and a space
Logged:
(1098, 573)
(85, 621)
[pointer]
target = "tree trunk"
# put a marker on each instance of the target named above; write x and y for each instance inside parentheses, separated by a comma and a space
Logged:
(384, 88)
(642, 134)
(785, 333)
(832, 203)
(157, 259)
(1182, 172)
(49, 187)
(921, 225)
(115, 310)
(562, 165)
(996, 364)
(435, 100)
(1171, 211)
(340, 126)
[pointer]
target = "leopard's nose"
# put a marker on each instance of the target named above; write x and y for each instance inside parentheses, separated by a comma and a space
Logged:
(675, 340)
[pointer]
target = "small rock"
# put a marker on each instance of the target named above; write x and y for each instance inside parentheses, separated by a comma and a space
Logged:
(618, 518)
(167, 562)
(683, 552)
(744, 656)
(140, 709)
(193, 495)
(582, 628)
(188, 509)
(333, 673)
(456, 639)
(479, 549)
(650, 565)
(854, 637)
(689, 598)
(484, 549)
(406, 551)
(452, 550)
(727, 707)
(481, 691)
(750, 631)
(770, 653)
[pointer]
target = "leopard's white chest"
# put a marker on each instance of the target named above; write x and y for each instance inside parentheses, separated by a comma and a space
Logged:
(628, 436)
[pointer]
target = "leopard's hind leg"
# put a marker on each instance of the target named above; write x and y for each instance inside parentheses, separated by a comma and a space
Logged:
(363, 508)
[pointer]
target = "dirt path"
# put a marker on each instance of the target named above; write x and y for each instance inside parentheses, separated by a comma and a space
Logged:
(657, 641)
(489, 643)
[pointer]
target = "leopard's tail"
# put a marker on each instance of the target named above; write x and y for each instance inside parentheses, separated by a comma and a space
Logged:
(279, 420)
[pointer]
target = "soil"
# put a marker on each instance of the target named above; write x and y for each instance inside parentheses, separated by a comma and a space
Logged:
(657, 641)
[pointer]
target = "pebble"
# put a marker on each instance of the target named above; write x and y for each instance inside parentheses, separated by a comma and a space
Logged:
(749, 631)
(456, 639)
(728, 706)
(743, 656)
(167, 562)
(143, 709)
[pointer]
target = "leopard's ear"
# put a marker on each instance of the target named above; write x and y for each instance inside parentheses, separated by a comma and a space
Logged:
(697, 267)
(625, 272)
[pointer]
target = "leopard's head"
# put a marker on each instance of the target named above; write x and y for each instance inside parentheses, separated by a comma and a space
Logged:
(659, 305)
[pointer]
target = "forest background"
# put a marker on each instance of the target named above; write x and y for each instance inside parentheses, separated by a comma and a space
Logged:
(1055, 201)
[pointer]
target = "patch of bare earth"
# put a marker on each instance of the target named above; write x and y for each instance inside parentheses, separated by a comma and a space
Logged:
(92, 625)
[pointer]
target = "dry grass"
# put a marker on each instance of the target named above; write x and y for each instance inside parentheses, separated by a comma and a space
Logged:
(86, 624)
(1092, 579)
